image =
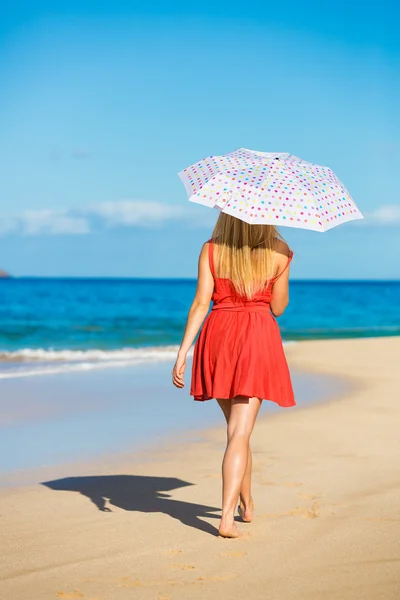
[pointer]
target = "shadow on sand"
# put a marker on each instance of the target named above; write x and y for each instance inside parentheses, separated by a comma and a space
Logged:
(139, 493)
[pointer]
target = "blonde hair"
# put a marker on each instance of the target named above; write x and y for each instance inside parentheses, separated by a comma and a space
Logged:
(244, 253)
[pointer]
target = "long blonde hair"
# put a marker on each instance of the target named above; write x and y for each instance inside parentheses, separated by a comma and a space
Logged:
(244, 253)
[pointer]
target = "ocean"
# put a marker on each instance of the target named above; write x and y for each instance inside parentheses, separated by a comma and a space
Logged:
(55, 325)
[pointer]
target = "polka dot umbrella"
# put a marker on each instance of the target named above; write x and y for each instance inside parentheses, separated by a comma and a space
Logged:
(271, 187)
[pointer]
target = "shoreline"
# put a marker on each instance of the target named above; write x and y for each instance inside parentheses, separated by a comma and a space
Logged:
(325, 483)
(38, 361)
(41, 362)
(74, 423)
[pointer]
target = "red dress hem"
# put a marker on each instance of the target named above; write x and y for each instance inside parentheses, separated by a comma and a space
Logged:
(205, 398)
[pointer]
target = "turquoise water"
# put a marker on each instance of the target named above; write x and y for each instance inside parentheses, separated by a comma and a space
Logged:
(52, 324)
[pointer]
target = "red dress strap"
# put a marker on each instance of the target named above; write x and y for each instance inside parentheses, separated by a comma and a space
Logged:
(211, 256)
(286, 266)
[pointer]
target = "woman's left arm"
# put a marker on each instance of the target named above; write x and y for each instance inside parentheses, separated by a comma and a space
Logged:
(196, 316)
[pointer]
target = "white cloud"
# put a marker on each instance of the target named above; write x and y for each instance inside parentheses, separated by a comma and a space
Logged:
(134, 212)
(44, 222)
(52, 222)
(383, 215)
(97, 217)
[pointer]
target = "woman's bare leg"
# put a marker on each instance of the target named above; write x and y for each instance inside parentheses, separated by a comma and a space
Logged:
(246, 500)
(243, 413)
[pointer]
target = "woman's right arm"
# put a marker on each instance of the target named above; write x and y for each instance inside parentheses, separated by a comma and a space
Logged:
(197, 313)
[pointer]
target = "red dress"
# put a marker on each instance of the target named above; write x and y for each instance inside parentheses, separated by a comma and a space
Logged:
(239, 350)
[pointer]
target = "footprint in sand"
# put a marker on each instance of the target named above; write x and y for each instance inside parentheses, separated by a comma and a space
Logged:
(307, 513)
(128, 582)
(74, 594)
(308, 496)
(313, 513)
(300, 511)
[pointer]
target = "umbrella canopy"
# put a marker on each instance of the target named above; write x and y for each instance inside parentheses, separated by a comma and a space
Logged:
(270, 187)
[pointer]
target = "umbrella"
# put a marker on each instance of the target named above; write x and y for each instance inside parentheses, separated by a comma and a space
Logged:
(271, 187)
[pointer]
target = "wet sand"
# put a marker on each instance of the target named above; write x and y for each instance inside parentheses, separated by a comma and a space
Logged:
(143, 525)
(50, 420)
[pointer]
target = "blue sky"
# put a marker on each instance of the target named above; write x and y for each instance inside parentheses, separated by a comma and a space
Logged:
(103, 102)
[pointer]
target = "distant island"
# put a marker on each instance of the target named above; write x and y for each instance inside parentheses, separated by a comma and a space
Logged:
(4, 274)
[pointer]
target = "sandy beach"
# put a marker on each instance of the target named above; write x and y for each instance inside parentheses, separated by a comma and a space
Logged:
(326, 488)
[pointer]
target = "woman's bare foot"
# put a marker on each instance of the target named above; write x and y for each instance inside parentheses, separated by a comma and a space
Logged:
(228, 530)
(246, 511)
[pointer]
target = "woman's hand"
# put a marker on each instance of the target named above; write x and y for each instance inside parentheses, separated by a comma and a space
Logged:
(178, 372)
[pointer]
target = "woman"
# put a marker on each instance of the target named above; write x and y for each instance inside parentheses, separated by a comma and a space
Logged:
(238, 357)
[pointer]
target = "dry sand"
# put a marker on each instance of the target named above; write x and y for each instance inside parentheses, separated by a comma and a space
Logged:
(327, 492)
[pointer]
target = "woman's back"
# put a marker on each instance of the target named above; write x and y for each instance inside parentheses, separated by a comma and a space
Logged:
(225, 294)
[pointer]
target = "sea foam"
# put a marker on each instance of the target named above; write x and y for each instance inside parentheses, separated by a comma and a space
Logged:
(38, 361)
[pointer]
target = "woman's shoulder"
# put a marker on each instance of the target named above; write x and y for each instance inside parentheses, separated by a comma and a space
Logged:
(282, 248)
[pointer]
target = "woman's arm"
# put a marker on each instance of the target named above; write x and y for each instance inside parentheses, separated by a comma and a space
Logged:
(280, 290)
(196, 316)
(280, 294)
